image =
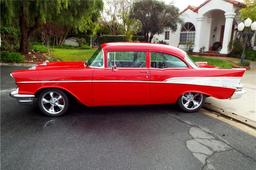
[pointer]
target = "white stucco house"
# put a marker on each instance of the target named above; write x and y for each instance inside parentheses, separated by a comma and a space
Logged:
(208, 27)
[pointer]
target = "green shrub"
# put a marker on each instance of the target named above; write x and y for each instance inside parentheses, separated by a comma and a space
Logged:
(250, 54)
(11, 57)
(81, 41)
(85, 46)
(40, 48)
(9, 38)
(65, 46)
(111, 38)
(117, 38)
(237, 48)
(245, 63)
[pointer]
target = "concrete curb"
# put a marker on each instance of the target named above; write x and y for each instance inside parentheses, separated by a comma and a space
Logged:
(239, 118)
(17, 64)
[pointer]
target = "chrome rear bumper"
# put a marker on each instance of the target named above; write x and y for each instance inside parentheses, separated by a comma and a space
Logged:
(22, 98)
(238, 93)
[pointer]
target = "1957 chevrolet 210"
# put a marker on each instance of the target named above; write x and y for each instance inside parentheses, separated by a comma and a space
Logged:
(126, 74)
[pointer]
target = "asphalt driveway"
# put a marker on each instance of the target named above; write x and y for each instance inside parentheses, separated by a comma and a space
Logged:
(147, 137)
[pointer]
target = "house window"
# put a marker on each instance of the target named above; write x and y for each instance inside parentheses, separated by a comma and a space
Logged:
(167, 35)
(187, 34)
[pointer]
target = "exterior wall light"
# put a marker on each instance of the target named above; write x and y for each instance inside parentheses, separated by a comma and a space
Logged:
(240, 26)
(248, 22)
(247, 29)
(253, 26)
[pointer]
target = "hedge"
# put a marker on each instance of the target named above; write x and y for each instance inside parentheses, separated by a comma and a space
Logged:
(250, 54)
(117, 38)
(11, 57)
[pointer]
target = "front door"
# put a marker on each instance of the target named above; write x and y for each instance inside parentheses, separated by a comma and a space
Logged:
(124, 81)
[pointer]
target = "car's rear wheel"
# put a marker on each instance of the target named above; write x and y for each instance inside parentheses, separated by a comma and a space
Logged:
(191, 102)
(53, 102)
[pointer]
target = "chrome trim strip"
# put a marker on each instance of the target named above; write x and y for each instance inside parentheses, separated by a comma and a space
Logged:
(89, 81)
(238, 94)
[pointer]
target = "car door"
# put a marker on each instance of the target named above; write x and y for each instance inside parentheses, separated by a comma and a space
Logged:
(124, 80)
(164, 66)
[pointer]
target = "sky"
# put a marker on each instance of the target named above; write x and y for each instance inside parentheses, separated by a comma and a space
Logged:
(182, 4)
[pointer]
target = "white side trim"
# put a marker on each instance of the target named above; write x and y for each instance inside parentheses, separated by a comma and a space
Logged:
(228, 82)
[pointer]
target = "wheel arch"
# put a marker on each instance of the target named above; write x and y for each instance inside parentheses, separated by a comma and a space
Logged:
(193, 91)
(67, 92)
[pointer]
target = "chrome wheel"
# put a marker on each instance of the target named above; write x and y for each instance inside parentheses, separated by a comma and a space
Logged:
(192, 101)
(53, 102)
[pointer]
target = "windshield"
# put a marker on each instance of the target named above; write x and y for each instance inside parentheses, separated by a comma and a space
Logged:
(97, 59)
(190, 62)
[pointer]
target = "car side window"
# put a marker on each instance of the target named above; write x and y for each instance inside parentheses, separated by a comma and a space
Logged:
(97, 59)
(162, 60)
(132, 59)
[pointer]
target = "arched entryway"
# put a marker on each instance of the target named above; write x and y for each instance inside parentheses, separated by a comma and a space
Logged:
(217, 28)
(214, 24)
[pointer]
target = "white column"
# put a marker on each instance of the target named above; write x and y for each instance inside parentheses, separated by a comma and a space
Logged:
(207, 33)
(199, 25)
(227, 32)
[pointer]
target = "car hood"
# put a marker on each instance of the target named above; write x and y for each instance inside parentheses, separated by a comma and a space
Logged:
(58, 65)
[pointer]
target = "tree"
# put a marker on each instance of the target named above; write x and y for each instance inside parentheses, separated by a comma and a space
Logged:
(118, 20)
(32, 14)
(249, 11)
(130, 25)
(155, 16)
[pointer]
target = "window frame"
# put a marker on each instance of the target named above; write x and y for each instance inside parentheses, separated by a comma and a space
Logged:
(129, 50)
(167, 35)
(103, 54)
(168, 68)
(187, 33)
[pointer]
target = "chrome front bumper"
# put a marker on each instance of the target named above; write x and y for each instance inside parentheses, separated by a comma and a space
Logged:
(238, 93)
(22, 98)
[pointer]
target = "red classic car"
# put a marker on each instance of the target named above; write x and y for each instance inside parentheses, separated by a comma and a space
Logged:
(126, 74)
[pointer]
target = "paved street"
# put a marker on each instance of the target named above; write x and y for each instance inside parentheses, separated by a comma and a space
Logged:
(147, 137)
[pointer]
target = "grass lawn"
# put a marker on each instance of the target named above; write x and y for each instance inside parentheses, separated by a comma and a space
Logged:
(72, 54)
(213, 61)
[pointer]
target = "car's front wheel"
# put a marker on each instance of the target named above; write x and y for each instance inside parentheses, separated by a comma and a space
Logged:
(191, 102)
(53, 102)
